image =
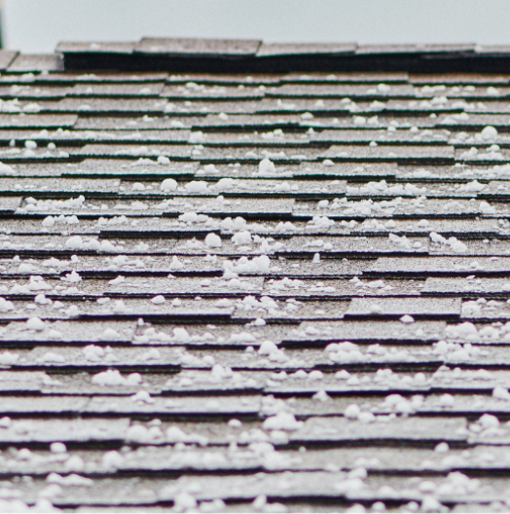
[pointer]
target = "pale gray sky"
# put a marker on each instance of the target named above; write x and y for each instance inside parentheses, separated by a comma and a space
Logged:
(37, 25)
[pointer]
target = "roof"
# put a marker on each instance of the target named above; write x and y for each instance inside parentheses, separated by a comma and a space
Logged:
(242, 287)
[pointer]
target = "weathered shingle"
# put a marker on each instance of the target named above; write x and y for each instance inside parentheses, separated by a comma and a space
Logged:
(197, 47)
(6, 57)
(95, 47)
(36, 63)
(314, 49)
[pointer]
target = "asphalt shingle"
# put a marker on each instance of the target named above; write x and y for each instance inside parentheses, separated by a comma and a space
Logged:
(234, 278)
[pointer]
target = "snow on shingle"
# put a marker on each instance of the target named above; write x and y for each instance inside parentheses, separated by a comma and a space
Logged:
(280, 286)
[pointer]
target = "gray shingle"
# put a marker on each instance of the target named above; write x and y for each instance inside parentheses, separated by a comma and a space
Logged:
(469, 286)
(184, 287)
(203, 92)
(386, 49)
(30, 92)
(68, 137)
(233, 120)
(103, 76)
(116, 90)
(133, 152)
(423, 430)
(205, 107)
(49, 186)
(215, 406)
(360, 77)
(314, 49)
(441, 265)
(6, 57)
(47, 431)
(71, 332)
(68, 47)
(357, 92)
(36, 62)
(371, 331)
(197, 47)
(37, 121)
(136, 123)
(136, 106)
(225, 78)
(447, 307)
(9, 204)
(458, 78)
(380, 137)
(345, 170)
(417, 154)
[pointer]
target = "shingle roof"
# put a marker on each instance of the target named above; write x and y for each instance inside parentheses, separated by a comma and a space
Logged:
(249, 277)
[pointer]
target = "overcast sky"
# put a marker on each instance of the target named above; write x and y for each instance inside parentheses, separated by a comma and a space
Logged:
(37, 25)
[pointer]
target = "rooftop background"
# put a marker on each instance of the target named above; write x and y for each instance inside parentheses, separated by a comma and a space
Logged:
(33, 26)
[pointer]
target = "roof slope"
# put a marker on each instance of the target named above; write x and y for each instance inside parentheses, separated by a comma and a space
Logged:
(252, 292)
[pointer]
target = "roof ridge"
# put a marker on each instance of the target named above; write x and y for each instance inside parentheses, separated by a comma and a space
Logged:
(256, 56)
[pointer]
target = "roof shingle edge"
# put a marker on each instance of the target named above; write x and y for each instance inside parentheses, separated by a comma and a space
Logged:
(252, 56)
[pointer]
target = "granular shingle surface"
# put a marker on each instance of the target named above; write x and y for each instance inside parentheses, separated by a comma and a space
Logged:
(249, 277)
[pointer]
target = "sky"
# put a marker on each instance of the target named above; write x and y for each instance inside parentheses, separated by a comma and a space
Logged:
(36, 26)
